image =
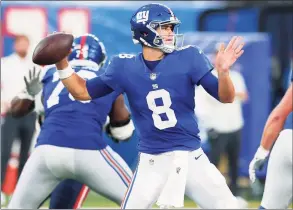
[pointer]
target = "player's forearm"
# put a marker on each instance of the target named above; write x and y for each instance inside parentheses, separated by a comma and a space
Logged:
(119, 111)
(276, 120)
(77, 87)
(272, 129)
(226, 88)
(74, 83)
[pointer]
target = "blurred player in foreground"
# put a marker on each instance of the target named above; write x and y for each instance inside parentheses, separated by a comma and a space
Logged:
(159, 83)
(278, 186)
(70, 144)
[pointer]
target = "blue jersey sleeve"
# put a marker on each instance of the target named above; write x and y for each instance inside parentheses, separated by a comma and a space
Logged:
(210, 83)
(200, 64)
(97, 88)
(112, 74)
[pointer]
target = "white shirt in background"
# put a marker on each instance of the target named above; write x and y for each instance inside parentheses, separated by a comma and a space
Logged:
(13, 70)
(223, 118)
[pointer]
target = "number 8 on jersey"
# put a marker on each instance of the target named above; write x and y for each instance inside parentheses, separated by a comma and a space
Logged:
(165, 108)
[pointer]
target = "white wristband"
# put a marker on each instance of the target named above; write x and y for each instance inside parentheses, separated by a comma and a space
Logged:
(65, 73)
(262, 152)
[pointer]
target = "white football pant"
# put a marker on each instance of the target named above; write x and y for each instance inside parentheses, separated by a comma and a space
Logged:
(103, 171)
(278, 185)
(205, 184)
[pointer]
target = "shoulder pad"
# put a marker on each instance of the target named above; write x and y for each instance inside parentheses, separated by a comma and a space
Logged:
(185, 47)
(126, 56)
(190, 48)
(121, 59)
(190, 51)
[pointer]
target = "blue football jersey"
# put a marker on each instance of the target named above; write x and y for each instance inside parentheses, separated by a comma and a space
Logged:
(289, 120)
(71, 123)
(162, 100)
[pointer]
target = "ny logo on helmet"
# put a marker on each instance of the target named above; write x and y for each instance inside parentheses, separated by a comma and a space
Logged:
(142, 17)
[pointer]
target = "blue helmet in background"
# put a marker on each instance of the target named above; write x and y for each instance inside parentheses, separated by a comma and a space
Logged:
(88, 47)
(147, 19)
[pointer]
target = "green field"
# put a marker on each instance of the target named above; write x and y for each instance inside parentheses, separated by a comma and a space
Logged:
(96, 201)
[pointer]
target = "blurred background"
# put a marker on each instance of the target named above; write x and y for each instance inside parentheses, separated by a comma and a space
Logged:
(263, 70)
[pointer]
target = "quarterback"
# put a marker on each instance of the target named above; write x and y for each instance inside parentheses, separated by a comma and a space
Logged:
(159, 84)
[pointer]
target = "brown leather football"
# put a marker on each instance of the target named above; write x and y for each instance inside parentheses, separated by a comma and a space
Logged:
(52, 48)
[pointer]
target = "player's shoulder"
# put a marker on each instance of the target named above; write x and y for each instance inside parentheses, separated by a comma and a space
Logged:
(122, 62)
(123, 58)
(187, 54)
(189, 50)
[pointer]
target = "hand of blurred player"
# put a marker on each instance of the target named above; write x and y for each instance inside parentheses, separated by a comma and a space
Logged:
(32, 82)
(257, 162)
(114, 138)
(117, 137)
(226, 57)
(109, 134)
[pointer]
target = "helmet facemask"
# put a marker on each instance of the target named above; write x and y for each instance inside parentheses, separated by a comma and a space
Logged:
(159, 40)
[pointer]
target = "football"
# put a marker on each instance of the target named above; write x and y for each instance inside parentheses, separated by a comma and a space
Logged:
(52, 48)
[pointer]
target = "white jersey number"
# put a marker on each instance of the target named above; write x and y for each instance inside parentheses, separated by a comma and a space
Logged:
(126, 55)
(165, 108)
(54, 97)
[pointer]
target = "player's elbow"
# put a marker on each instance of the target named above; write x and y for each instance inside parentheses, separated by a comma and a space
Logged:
(82, 93)
(77, 87)
(79, 93)
(227, 99)
(81, 96)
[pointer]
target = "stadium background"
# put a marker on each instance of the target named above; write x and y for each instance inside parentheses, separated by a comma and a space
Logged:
(267, 29)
